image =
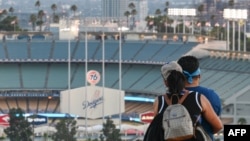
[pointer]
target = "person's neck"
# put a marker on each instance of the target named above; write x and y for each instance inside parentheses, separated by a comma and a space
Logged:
(194, 84)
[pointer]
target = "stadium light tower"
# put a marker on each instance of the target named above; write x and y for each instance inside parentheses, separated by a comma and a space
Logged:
(183, 12)
(235, 15)
(72, 30)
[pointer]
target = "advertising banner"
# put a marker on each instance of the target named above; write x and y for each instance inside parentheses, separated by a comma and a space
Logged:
(37, 119)
(147, 117)
(92, 101)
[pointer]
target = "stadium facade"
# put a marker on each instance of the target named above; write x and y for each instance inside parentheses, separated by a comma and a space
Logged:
(35, 69)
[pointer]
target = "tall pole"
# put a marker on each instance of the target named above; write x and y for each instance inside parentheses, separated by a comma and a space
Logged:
(184, 27)
(233, 38)
(103, 72)
(239, 35)
(120, 73)
(86, 83)
(228, 31)
(69, 86)
(245, 23)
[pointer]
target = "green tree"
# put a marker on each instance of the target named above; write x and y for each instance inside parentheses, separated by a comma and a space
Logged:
(39, 21)
(132, 13)
(19, 128)
(38, 4)
(242, 121)
(231, 3)
(127, 14)
(167, 6)
(66, 130)
(201, 9)
(150, 22)
(3, 14)
(74, 9)
(11, 10)
(54, 8)
(166, 19)
(110, 132)
(32, 20)
(158, 19)
(9, 23)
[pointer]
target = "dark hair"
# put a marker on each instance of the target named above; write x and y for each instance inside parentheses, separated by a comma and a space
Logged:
(189, 63)
(176, 82)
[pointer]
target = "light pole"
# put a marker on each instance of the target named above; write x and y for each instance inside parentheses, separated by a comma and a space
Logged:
(69, 72)
(183, 12)
(235, 15)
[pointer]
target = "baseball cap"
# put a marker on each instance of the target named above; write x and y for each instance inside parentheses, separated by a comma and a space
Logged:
(168, 67)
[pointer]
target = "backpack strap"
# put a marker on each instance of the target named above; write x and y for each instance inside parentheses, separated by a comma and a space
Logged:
(169, 101)
(160, 103)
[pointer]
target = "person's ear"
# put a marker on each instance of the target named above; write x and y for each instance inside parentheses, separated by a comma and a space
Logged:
(199, 76)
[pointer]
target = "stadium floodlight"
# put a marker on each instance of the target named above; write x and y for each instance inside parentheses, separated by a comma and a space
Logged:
(184, 12)
(235, 15)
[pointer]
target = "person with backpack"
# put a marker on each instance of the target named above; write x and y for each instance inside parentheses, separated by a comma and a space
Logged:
(196, 104)
(190, 65)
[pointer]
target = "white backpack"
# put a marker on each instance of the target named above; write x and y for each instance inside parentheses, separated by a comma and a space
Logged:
(177, 123)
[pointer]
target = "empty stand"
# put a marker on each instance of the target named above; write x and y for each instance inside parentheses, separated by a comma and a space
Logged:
(152, 47)
(22, 103)
(33, 75)
(12, 103)
(10, 76)
(3, 105)
(134, 72)
(112, 73)
(61, 49)
(138, 107)
(32, 105)
(2, 52)
(17, 50)
(40, 49)
(58, 76)
(130, 49)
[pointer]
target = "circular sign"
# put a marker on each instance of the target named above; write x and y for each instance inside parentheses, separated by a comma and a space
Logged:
(93, 77)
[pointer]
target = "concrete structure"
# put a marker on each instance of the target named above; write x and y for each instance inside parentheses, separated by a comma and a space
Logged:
(114, 8)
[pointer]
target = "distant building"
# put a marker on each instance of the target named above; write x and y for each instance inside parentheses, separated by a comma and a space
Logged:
(114, 8)
(141, 7)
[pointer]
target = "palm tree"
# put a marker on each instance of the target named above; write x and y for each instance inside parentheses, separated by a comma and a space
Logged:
(11, 10)
(38, 4)
(74, 9)
(167, 5)
(201, 9)
(33, 19)
(166, 17)
(158, 19)
(54, 7)
(40, 16)
(127, 14)
(133, 12)
(150, 22)
(231, 3)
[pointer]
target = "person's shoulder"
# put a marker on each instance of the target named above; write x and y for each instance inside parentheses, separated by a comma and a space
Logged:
(205, 90)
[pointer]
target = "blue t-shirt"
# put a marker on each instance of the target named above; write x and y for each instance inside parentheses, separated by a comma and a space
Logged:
(215, 101)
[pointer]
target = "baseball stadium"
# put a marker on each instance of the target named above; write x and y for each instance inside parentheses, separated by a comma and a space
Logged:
(116, 73)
